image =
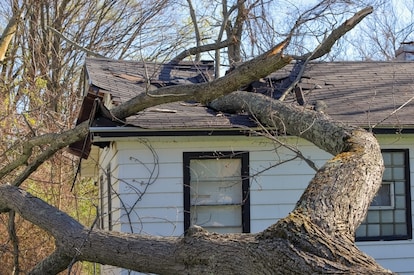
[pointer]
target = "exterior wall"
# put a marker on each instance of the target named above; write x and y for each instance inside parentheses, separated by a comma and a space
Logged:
(148, 177)
(154, 167)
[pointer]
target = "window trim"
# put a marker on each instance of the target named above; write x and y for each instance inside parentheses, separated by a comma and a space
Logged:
(408, 211)
(392, 198)
(101, 199)
(243, 156)
(109, 191)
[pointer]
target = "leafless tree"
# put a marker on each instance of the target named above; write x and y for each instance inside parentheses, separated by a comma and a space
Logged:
(41, 51)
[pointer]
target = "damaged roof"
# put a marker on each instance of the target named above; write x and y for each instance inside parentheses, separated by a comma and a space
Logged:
(362, 93)
(377, 95)
(126, 79)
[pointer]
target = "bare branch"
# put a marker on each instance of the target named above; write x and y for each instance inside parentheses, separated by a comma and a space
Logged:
(74, 44)
(196, 30)
(201, 49)
(338, 33)
(56, 141)
(393, 112)
(15, 241)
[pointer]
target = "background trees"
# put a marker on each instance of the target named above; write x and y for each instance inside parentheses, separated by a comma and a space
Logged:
(48, 40)
(40, 75)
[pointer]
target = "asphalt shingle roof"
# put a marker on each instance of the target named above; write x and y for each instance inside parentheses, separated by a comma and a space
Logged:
(363, 93)
(359, 93)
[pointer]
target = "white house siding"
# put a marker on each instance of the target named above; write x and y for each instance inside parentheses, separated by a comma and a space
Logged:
(152, 169)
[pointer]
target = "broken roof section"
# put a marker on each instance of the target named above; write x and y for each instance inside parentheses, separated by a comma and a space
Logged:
(114, 82)
(126, 79)
(363, 93)
(366, 94)
(123, 80)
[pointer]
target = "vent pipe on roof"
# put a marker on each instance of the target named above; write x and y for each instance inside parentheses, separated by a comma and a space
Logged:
(405, 51)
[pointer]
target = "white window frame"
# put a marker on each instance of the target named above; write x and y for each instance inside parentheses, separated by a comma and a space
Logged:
(392, 198)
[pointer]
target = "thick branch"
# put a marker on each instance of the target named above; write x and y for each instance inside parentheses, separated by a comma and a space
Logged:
(287, 118)
(55, 262)
(196, 29)
(249, 71)
(8, 34)
(201, 49)
(339, 195)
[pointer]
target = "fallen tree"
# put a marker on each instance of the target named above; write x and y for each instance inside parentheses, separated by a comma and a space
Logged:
(317, 237)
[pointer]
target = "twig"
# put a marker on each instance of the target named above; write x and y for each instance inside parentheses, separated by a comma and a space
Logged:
(300, 74)
(73, 43)
(79, 249)
(393, 112)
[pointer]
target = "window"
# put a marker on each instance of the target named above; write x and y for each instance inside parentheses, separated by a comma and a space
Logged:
(389, 216)
(216, 186)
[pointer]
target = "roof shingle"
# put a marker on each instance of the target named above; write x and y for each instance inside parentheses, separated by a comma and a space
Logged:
(363, 93)
(359, 93)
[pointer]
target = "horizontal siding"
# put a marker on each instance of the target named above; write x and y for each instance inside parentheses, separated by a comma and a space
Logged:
(159, 171)
(149, 199)
(165, 228)
(141, 184)
(397, 256)
(280, 182)
(154, 166)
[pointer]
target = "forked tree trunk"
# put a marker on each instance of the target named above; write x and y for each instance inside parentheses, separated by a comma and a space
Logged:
(317, 237)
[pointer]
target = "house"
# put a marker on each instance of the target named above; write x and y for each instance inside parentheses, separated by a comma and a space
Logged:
(179, 164)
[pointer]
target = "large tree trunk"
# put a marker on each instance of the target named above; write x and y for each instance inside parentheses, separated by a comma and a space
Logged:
(316, 237)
